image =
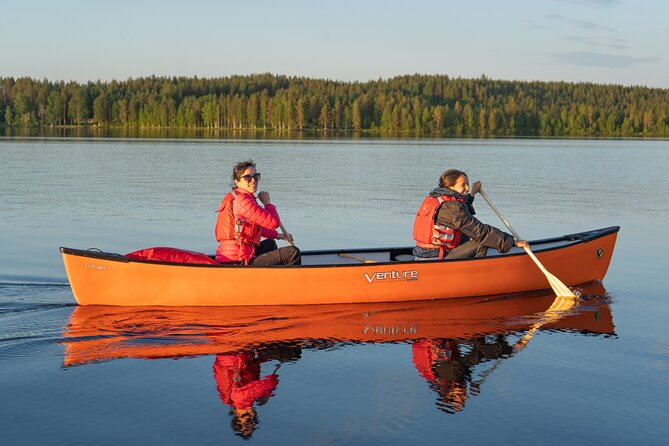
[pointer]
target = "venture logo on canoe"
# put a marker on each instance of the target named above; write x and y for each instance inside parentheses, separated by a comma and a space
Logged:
(392, 275)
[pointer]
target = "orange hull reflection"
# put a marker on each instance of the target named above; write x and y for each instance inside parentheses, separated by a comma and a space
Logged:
(102, 333)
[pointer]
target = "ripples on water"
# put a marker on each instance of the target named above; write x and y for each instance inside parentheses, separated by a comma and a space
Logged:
(30, 323)
(455, 345)
(475, 371)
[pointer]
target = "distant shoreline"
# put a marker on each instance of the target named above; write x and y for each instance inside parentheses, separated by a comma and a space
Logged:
(405, 106)
(174, 133)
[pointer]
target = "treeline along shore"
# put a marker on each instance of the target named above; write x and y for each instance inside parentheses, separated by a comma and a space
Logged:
(428, 105)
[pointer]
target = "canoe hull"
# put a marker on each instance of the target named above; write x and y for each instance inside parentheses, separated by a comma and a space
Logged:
(104, 279)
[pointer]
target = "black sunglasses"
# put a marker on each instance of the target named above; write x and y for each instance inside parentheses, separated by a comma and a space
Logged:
(248, 178)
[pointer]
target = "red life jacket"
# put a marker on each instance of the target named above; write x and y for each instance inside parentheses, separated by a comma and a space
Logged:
(429, 235)
(233, 229)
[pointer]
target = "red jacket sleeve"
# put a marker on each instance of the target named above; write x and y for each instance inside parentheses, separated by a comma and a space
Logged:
(268, 233)
(244, 396)
(267, 218)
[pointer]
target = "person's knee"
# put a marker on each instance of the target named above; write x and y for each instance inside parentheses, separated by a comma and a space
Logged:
(481, 251)
(293, 254)
(295, 251)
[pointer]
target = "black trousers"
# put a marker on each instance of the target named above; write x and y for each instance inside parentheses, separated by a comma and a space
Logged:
(468, 249)
(268, 254)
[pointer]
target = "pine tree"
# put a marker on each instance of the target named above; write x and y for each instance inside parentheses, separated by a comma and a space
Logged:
(54, 108)
(9, 115)
(356, 119)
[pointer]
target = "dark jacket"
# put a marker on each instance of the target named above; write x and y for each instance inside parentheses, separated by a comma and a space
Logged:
(460, 216)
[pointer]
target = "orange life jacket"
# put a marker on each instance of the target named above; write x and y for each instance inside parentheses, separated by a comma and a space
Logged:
(429, 235)
(231, 228)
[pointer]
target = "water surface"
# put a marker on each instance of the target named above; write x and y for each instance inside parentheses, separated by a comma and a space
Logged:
(489, 371)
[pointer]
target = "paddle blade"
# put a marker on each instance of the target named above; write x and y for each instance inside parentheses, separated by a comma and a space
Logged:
(560, 289)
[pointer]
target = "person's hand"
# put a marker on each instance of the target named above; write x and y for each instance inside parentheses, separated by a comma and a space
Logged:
(522, 244)
(285, 237)
(476, 187)
(263, 197)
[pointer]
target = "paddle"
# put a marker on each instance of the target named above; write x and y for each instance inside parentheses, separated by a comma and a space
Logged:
(283, 229)
(358, 258)
(559, 288)
(556, 311)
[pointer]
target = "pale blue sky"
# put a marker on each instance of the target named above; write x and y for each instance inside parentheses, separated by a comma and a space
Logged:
(603, 41)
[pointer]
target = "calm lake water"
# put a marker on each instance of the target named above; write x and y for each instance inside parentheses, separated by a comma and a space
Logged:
(481, 371)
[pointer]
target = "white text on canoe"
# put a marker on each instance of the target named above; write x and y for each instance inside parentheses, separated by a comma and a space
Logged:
(392, 275)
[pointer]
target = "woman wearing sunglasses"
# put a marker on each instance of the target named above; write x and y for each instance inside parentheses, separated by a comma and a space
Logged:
(242, 222)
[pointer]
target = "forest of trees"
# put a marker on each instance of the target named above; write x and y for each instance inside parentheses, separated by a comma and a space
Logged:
(429, 105)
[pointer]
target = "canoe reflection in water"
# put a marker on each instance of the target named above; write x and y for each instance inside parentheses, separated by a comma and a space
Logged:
(455, 343)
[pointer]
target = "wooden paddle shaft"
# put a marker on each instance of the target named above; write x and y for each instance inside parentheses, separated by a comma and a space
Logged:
(283, 229)
(358, 258)
(513, 231)
(499, 214)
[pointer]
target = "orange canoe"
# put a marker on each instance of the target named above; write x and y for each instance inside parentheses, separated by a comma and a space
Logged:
(336, 276)
(102, 333)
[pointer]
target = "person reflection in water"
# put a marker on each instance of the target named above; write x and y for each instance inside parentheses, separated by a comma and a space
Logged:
(447, 366)
(240, 385)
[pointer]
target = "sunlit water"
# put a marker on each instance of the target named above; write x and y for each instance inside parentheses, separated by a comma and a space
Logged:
(470, 371)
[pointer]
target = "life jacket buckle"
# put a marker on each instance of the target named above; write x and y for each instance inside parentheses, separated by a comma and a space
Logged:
(239, 227)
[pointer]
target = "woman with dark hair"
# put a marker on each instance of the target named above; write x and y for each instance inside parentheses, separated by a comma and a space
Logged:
(242, 222)
(445, 226)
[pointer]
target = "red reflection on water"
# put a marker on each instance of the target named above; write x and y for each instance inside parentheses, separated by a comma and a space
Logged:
(449, 338)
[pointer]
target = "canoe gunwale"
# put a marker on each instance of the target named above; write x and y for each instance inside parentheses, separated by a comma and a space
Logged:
(572, 239)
